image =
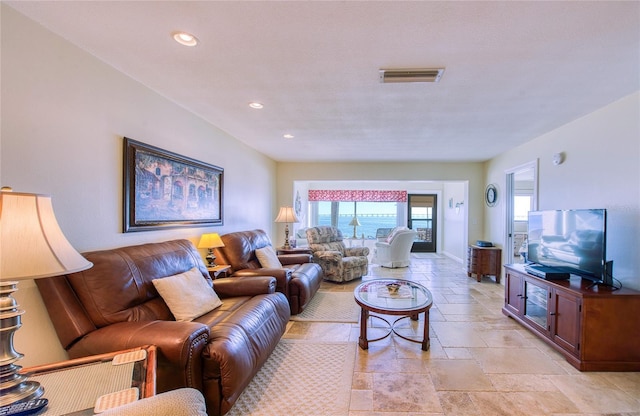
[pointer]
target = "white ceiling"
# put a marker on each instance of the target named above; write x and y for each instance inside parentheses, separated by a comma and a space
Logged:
(514, 70)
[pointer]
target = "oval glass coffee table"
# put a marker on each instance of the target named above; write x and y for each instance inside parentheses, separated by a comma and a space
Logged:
(392, 297)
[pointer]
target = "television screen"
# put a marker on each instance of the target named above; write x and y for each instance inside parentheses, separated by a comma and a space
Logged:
(572, 241)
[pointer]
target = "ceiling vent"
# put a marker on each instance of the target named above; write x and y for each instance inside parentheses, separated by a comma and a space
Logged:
(411, 75)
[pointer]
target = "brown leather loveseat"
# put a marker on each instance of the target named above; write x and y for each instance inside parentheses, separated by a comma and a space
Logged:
(298, 278)
(114, 305)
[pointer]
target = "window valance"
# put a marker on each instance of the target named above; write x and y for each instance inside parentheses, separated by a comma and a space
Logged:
(357, 195)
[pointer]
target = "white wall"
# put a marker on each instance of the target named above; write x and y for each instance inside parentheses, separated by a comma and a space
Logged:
(454, 237)
(601, 170)
(64, 114)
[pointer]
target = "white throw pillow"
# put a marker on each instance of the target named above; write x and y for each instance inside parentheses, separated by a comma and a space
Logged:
(268, 258)
(188, 295)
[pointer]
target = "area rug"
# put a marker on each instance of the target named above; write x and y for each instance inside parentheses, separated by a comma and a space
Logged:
(303, 379)
(330, 307)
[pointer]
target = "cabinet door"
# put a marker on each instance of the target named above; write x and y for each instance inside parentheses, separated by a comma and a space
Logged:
(513, 293)
(536, 305)
(565, 320)
(492, 260)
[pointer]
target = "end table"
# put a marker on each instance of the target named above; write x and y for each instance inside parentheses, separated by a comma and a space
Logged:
(219, 270)
(74, 386)
(484, 261)
(294, 250)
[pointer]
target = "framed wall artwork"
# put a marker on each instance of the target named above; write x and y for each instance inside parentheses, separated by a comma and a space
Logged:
(166, 190)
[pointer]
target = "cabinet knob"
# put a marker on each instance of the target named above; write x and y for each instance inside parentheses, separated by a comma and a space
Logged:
(552, 313)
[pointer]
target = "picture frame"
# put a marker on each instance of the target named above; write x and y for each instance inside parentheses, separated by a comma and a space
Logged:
(164, 190)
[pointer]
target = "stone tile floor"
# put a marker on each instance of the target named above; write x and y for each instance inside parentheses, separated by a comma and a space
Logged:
(480, 362)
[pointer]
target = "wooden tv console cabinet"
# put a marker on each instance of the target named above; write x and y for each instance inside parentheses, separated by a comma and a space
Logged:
(595, 328)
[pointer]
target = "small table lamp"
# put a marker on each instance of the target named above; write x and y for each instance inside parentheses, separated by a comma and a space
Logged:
(286, 215)
(32, 246)
(355, 223)
(210, 241)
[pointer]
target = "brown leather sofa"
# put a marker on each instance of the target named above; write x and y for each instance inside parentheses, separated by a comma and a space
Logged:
(114, 306)
(299, 279)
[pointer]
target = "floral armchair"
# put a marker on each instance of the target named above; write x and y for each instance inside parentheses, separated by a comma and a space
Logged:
(339, 263)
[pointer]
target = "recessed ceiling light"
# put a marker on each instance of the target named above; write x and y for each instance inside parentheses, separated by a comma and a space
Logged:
(256, 105)
(184, 38)
(288, 136)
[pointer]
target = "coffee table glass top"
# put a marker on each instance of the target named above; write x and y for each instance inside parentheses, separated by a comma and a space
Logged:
(393, 295)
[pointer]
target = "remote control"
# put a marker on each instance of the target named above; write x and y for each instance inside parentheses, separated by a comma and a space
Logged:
(23, 408)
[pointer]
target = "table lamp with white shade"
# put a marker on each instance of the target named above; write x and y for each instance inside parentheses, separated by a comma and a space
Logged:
(286, 215)
(32, 246)
(354, 223)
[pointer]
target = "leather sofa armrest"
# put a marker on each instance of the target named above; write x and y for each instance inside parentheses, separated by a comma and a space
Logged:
(283, 277)
(301, 258)
(179, 344)
(227, 287)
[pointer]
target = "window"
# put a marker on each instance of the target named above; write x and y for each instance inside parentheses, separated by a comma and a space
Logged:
(371, 215)
(521, 207)
(422, 213)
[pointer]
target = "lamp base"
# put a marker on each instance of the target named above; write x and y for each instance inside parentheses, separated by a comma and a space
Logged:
(24, 391)
(286, 246)
(211, 258)
(14, 387)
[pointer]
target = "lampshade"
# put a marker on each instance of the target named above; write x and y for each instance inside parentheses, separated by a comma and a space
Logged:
(32, 244)
(211, 240)
(354, 222)
(287, 214)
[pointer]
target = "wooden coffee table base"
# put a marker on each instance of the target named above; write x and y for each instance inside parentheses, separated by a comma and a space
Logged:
(396, 297)
(363, 341)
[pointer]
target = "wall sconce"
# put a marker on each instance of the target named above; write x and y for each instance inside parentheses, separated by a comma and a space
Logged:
(458, 205)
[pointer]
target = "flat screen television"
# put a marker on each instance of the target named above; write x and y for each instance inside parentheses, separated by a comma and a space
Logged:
(570, 241)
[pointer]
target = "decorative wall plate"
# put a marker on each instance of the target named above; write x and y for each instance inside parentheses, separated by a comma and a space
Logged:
(491, 195)
(298, 205)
